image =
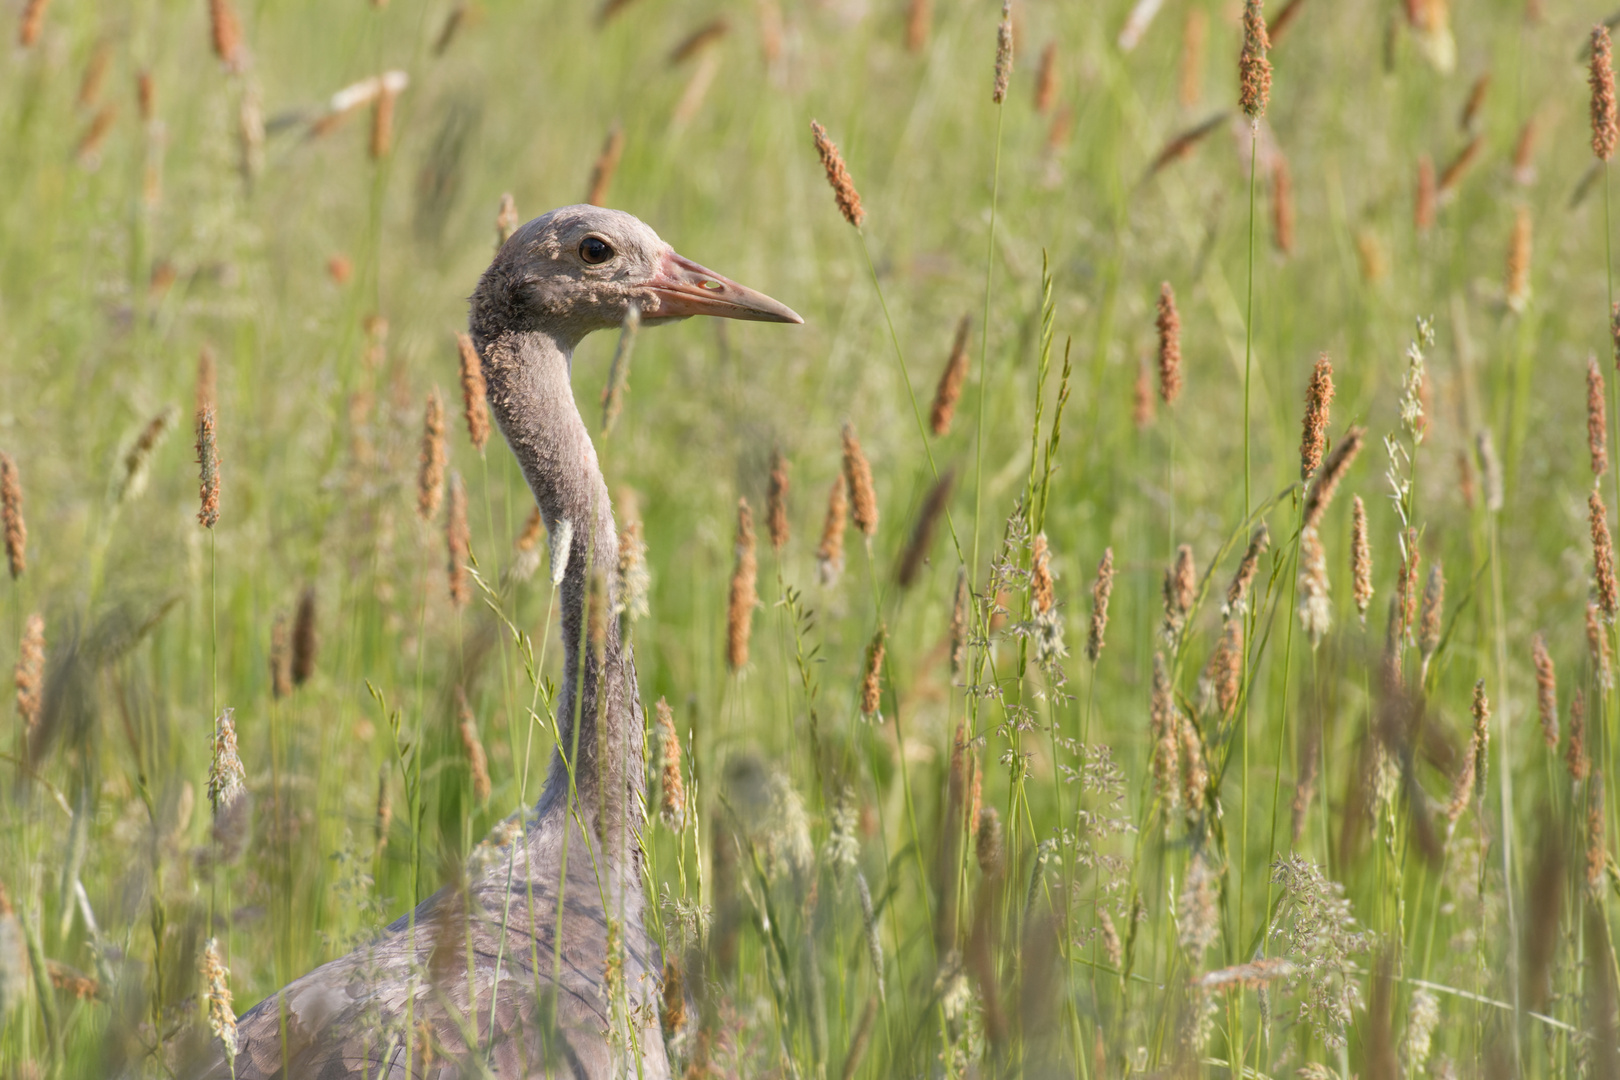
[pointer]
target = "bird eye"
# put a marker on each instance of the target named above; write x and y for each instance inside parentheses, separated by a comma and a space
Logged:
(595, 250)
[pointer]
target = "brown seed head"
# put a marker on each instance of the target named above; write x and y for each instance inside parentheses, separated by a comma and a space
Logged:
(858, 475)
(672, 799)
(1184, 143)
(672, 999)
(95, 75)
(1169, 324)
(1433, 612)
(1524, 153)
(776, 516)
(305, 641)
(506, 220)
(221, 1019)
(987, 840)
(849, 200)
(90, 142)
(959, 623)
(1423, 209)
(1004, 53)
(474, 405)
(922, 534)
(1046, 78)
(1518, 261)
(1546, 690)
(458, 542)
(1180, 589)
(145, 95)
(1451, 176)
(1597, 847)
(1194, 772)
(477, 763)
(1225, 668)
(1282, 204)
(1608, 594)
(382, 122)
(1360, 559)
(1597, 647)
(11, 515)
(700, 40)
(1406, 595)
(1462, 787)
(1482, 734)
(1468, 119)
(281, 681)
(1040, 576)
(743, 598)
(1597, 424)
(226, 32)
(208, 470)
(1142, 397)
(31, 22)
(872, 676)
(431, 463)
(951, 379)
(1315, 605)
(1575, 758)
(1162, 714)
(1254, 70)
(1237, 592)
(1605, 128)
(1101, 590)
(29, 676)
(1332, 473)
(607, 163)
(830, 552)
(919, 18)
(1190, 76)
(1318, 399)
(340, 268)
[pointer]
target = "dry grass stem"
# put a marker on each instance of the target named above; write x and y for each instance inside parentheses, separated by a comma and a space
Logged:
(1597, 849)
(1279, 23)
(849, 200)
(1142, 398)
(607, 163)
(1164, 728)
(700, 40)
(1468, 118)
(221, 1018)
(1315, 601)
(1524, 153)
(743, 597)
(949, 391)
(382, 122)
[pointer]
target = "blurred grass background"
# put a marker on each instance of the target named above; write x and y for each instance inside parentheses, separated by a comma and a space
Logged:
(125, 258)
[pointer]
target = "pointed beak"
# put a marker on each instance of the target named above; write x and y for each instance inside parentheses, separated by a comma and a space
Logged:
(681, 287)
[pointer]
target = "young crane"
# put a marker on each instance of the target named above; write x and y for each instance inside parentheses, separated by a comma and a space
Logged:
(561, 276)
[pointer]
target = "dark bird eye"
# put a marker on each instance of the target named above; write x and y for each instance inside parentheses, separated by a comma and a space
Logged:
(595, 250)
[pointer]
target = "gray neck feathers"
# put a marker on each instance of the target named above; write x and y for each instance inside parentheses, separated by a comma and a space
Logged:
(598, 712)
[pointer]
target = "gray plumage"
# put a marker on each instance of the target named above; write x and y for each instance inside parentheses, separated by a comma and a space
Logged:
(524, 1009)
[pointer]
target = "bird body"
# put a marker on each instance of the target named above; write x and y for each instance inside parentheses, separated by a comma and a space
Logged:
(473, 981)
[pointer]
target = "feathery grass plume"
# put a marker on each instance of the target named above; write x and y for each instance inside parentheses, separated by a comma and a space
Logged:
(919, 20)
(29, 676)
(874, 943)
(634, 582)
(458, 542)
(743, 597)
(1490, 470)
(672, 796)
(1406, 589)
(1180, 589)
(987, 841)
(11, 511)
(305, 642)
(1190, 75)
(225, 774)
(1360, 559)
(1222, 678)
(1184, 143)
(849, 200)
(1608, 593)
(474, 405)
(1004, 53)
(431, 463)
(1254, 70)
(131, 480)
(1338, 462)
(1162, 714)
(506, 220)
(1237, 592)
(207, 470)
(949, 391)
(1457, 168)
(1605, 126)
(1471, 775)
(1196, 909)
(1597, 851)
(1046, 78)
(830, 552)
(382, 121)
(1315, 603)
(221, 1020)
(872, 676)
(527, 560)
(1318, 399)
(1142, 397)
(858, 475)
(1101, 589)
(1110, 939)
(31, 22)
(1596, 418)
(922, 534)
(384, 817)
(1518, 261)
(1422, 1017)
(1524, 153)
(1575, 758)
(281, 681)
(1194, 772)
(1546, 689)
(1597, 647)
(1040, 574)
(1282, 203)
(1423, 207)
(607, 163)
(1169, 326)
(959, 622)
(226, 32)
(477, 763)
(776, 515)
(1433, 612)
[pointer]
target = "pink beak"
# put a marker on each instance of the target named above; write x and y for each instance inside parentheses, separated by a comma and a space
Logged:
(681, 287)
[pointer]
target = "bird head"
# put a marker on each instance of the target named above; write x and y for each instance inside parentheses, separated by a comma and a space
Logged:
(582, 268)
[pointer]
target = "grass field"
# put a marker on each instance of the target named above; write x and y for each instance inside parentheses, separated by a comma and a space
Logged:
(1276, 832)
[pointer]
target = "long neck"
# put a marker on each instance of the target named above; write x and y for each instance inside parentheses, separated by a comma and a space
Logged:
(598, 712)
